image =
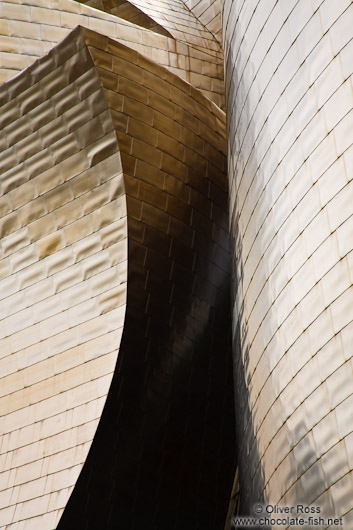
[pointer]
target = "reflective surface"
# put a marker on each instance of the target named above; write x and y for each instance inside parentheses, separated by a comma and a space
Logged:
(173, 18)
(29, 30)
(122, 186)
(288, 68)
(63, 279)
(169, 410)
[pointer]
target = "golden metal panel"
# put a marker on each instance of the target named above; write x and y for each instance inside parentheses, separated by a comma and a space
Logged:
(15, 241)
(135, 109)
(37, 347)
(80, 223)
(31, 211)
(157, 196)
(13, 178)
(9, 224)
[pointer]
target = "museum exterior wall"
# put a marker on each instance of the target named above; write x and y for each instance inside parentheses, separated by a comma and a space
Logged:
(209, 14)
(63, 279)
(115, 259)
(170, 403)
(30, 29)
(289, 110)
(114, 240)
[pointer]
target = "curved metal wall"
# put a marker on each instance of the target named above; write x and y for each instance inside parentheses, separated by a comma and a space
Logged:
(174, 17)
(208, 12)
(114, 225)
(63, 279)
(30, 29)
(289, 104)
(153, 462)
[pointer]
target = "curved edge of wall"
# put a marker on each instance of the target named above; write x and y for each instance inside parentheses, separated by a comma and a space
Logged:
(63, 278)
(290, 158)
(102, 128)
(30, 30)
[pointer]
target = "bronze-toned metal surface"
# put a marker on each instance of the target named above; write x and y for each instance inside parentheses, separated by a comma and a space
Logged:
(175, 17)
(113, 216)
(29, 30)
(128, 11)
(122, 177)
(63, 279)
(169, 409)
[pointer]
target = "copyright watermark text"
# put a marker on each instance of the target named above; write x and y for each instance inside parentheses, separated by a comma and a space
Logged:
(299, 515)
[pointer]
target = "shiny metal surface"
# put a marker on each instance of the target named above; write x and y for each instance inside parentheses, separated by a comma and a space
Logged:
(289, 111)
(113, 170)
(209, 14)
(169, 17)
(168, 400)
(29, 30)
(63, 279)
(114, 241)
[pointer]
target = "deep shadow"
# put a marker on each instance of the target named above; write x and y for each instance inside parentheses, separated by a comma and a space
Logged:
(251, 480)
(251, 476)
(163, 456)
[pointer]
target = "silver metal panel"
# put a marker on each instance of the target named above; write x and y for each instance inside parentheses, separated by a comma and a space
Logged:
(289, 131)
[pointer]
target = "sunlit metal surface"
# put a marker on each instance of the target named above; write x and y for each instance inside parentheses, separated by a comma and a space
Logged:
(63, 279)
(30, 29)
(114, 176)
(167, 401)
(288, 68)
(102, 128)
(171, 17)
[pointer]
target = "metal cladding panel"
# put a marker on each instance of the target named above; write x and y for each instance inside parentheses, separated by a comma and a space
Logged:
(114, 224)
(289, 98)
(209, 13)
(168, 17)
(169, 412)
(63, 279)
(29, 30)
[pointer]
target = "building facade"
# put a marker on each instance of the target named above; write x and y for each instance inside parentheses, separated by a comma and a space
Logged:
(116, 376)
(116, 400)
(288, 71)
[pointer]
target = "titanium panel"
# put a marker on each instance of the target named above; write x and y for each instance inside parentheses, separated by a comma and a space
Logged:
(289, 112)
(173, 15)
(29, 30)
(63, 284)
(114, 172)
(169, 410)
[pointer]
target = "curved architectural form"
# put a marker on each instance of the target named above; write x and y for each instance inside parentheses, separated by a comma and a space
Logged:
(115, 396)
(180, 21)
(165, 17)
(128, 11)
(120, 186)
(64, 278)
(166, 402)
(209, 14)
(289, 98)
(29, 30)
